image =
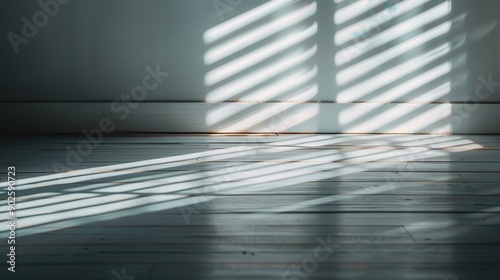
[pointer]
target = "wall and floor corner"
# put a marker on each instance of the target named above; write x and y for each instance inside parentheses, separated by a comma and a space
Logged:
(324, 66)
(250, 139)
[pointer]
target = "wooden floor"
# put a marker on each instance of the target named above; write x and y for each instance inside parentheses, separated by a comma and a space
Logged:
(156, 207)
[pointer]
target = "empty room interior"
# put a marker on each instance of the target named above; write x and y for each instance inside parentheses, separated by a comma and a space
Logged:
(250, 139)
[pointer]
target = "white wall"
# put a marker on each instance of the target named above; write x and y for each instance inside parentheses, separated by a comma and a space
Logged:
(419, 62)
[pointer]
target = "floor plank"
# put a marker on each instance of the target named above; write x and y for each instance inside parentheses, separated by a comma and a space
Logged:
(255, 207)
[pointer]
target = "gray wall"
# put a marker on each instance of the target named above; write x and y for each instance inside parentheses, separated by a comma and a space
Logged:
(96, 51)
